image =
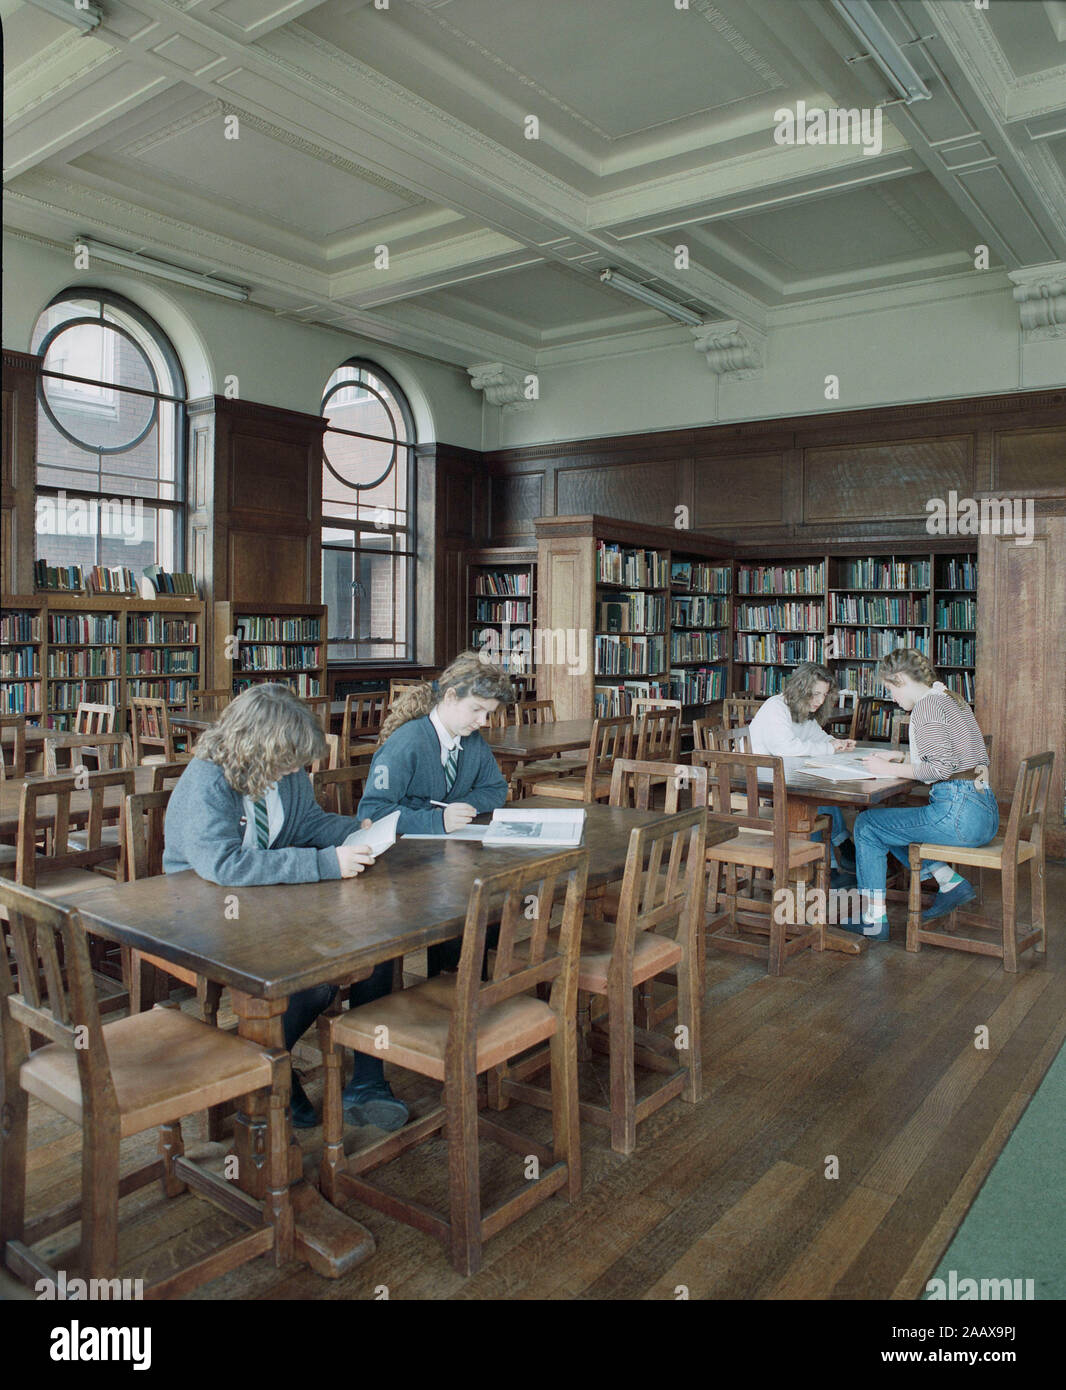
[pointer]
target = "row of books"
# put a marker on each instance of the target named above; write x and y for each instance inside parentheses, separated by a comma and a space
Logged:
(963, 683)
(780, 617)
(699, 612)
(873, 643)
(20, 627)
(66, 579)
(19, 661)
(116, 579)
(763, 680)
(70, 663)
(699, 577)
(781, 579)
(180, 582)
(507, 611)
(630, 656)
(83, 628)
(698, 687)
(162, 661)
(156, 628)
(637, 612)
(959, 573)
(955, 651)
(956, 612)
(883, 574)
(501, 582)
(770, 647)
(611, 701)
(175, 692)
(260, 629)
(303, 684)
(20, 699)
(860, 678)
(699, 646)
(643, 569)
(265, 657)
(851, 608)
(66, 695)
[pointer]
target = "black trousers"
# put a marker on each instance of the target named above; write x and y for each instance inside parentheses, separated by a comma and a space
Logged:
(306, 1005)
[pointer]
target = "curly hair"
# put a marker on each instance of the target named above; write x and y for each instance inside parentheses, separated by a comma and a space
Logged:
(908, 661)
(468, 674)
(799, 688)
(265, 732)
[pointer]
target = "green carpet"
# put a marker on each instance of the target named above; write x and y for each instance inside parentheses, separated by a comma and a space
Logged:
(1016, 1228)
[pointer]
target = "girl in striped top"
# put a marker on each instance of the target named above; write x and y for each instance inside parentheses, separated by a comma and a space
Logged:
(948, 752)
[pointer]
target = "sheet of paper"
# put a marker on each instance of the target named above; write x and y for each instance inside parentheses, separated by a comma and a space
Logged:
(845, 770)
(466, 832)
(381, 835)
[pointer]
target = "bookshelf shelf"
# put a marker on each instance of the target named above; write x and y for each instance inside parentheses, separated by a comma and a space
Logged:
(242, 628)
(503, 579)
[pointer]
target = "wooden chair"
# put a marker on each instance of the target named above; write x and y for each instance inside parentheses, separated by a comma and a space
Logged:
(340, 789)
(499, 719)
(165, 774)
(333, 754)
(660, 910)
(17, 724)
(103, 751)
(611, 739)
(530, 712)
(320, 707)
(116, 1080)
(453, 1028)
(208, 702)
(150, 727)
(658, 732)
(763, 841)
(363, 717)
(701, 729)
(640, 704)
(740, 709)
(398, 684)
(901, 723)
(720, 738)
(65, 870)
(1022, 842)
(94, 719)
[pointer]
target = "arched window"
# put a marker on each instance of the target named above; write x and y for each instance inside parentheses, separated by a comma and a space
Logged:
(368, 515)
(110, 436)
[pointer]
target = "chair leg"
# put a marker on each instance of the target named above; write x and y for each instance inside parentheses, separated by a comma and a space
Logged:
(13, 1161)
(1010, 911)
(688, 1018)
(1038, 904)
(776, 959)
(171, 1146)
(623, 1069)
(464, 1172)
(566, 1119)
(914, 900)
(99, 1194)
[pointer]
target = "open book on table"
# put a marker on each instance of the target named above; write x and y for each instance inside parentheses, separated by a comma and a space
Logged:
(838, 769)
(535, 828)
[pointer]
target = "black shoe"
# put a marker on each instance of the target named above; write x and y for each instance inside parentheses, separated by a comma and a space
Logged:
(373, 1103)
(303, 1112)
(838, 878)
(845, 855)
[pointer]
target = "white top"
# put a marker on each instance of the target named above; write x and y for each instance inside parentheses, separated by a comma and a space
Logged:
(275, 818)
(774, 732)
(447, 741)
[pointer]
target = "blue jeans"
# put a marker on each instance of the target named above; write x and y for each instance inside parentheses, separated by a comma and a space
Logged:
(838, 831)
(957, 814)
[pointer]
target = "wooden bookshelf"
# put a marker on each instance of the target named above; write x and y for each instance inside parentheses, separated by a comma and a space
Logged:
(500, 617)
(780, 611)
(280, 642)
(955, 622)
(100, 649)
(606, 603)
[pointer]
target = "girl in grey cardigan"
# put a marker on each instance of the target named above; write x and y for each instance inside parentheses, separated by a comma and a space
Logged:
(243, 812)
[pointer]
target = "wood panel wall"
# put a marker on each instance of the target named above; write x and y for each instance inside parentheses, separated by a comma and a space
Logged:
(17, 465)
(454, 509)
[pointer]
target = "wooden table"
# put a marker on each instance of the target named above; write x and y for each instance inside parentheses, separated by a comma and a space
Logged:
(10, 792)
(290, 937)
(526, 743)
(197, 723)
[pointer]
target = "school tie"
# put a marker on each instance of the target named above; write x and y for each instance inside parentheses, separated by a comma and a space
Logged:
(450, 768)
(262, 823)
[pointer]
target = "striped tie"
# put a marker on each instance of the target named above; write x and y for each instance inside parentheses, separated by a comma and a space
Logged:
(450, 768)
(262, 823)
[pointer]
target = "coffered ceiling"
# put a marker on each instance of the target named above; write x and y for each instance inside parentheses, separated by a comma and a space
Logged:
(406, 127)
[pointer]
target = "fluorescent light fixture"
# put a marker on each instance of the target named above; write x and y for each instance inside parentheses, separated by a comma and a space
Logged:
(134, 261)
(861, 17)
(86, 17)
(635, 290)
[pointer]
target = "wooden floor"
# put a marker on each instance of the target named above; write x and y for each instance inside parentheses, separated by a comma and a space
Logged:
(867, 1061)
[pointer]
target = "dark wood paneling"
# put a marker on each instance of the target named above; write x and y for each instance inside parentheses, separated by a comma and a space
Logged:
(18, 436)
(255, 555)
(516, 500)
(269, 475)
(745, 490)
(1029, 458)
(862, 482)
(458, 504)
(642, 492)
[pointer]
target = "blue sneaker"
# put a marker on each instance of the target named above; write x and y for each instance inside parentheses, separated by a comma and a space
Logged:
(374, 1104)
(872, 931)
(944, 903)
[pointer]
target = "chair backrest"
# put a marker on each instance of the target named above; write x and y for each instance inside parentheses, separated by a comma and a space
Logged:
(17, 724)
(551, 953)
(210, 702)
(632, 783)
(30, 864)
(500, 717)
(51, 991)
(700, 728)
(399, 684)
(527, 712)
(340, 789)
(333, 754)
(103, 751)
(664, 883)
(740, 709)
(363, 717)
(612, 738)
(150, 727)
(728, 804)
(165, 774)
(1028, 807)
(901, 723)
(143, 815)
(720, 739)
(94, 719)
(640, 704)
(319, 705)
(658, 732)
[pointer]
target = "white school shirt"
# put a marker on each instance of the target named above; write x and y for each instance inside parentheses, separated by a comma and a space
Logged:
(275, 818)
(447, 741)
(774, 732)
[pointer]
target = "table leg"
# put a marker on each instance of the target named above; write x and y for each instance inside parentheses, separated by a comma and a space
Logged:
(323, 1237)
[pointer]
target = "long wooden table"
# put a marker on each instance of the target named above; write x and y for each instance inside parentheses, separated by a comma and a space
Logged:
(289, 937)
(11, 790)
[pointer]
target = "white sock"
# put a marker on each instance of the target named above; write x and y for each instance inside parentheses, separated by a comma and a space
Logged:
(873, 909)
(947, 878)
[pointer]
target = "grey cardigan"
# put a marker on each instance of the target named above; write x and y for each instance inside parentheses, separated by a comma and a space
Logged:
(204, 830)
